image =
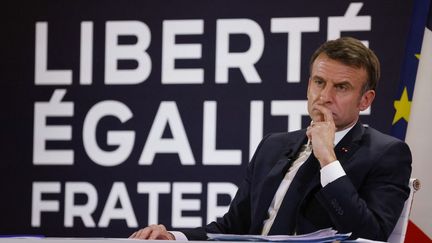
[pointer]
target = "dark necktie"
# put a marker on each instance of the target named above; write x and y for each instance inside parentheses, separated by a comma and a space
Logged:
(285, 221)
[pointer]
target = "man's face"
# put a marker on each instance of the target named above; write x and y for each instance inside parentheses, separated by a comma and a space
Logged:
(338, 88)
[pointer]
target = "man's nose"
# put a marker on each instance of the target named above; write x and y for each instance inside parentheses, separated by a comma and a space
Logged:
(326, 94)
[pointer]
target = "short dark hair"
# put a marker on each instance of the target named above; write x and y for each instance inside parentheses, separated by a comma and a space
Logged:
(351, 52)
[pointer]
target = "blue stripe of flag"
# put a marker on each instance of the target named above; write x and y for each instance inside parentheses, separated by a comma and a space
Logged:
(419, 20)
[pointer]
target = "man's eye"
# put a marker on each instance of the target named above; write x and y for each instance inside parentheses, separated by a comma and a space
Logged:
(341, 87)
(319, 82)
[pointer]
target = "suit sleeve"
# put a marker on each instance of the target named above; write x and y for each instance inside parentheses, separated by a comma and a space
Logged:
(372, 210)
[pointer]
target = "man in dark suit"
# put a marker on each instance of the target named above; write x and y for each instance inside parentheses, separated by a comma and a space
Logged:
(336, 173)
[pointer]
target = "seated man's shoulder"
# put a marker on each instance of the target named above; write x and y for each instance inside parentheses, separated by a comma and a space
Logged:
(378, 138)
(282, 140)
(283, 136)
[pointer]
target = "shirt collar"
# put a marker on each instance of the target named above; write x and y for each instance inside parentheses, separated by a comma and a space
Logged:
(341, 134)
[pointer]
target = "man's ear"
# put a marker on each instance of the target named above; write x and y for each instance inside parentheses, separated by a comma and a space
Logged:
(366, 99)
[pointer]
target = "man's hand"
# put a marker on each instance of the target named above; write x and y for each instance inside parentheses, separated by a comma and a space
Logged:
(322, 133)
(153, 232)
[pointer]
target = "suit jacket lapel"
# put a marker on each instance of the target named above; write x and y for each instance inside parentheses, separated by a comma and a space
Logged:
(272, 181)
(285, 220)
(349, 144)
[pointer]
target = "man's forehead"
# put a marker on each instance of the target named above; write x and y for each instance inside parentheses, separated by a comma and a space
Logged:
(325, 58)
(330, 69)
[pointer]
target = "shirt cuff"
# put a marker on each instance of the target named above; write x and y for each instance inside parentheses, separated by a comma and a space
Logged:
(179, 235)
(331, 172)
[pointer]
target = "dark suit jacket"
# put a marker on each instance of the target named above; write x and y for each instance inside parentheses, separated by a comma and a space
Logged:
(367, 201)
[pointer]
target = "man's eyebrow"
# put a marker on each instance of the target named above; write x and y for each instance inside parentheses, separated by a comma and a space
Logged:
(344, 83)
